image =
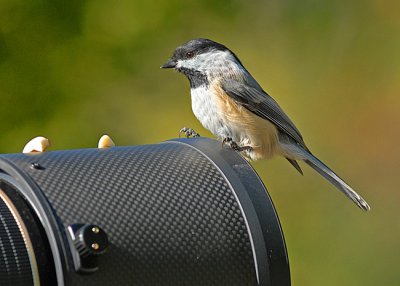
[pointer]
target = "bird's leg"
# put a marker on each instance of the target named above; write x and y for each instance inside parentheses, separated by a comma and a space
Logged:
(235, 146)
(189, 132)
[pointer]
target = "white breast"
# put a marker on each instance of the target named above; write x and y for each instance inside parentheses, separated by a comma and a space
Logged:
(206, 110)
(224, 118)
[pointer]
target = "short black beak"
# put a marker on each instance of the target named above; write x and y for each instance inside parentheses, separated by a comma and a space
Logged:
(168, 65)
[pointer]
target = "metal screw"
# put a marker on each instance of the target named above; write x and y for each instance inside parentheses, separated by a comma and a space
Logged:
(36, 166)
(95, 246)
(95, 230)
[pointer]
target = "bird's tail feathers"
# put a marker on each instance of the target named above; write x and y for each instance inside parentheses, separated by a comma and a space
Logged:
(328, 174)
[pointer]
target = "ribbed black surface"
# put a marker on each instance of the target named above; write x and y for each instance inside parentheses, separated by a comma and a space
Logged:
(15, 268)
(170, 216)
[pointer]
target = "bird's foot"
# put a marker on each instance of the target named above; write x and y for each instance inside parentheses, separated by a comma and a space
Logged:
(235, 146)
(189, 132)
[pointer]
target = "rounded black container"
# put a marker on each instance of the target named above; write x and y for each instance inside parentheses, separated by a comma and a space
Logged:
(182, 212)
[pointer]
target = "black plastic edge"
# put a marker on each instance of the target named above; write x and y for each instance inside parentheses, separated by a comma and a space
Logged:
(257, 206)
(40, 245)
(43, 210)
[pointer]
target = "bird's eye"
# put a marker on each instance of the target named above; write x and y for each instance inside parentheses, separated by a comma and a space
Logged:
(189, 55)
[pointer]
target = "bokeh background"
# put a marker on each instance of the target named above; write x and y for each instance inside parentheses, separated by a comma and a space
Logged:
(74, 70)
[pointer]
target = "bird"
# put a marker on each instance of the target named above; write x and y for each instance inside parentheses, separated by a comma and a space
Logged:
(230, 103)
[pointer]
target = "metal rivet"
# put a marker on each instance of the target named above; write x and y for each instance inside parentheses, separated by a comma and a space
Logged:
(95, 230)
(95, 246)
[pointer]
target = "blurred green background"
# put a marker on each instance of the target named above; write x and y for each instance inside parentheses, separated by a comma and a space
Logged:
(74, 70)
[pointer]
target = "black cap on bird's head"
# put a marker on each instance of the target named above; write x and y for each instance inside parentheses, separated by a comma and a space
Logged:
(195, 48)
(191, 49)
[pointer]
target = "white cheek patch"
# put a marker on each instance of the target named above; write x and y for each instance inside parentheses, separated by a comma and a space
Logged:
(206, 61)
(213, 59)
(188, 64)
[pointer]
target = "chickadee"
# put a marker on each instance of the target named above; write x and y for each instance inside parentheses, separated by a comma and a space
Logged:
(230, 103)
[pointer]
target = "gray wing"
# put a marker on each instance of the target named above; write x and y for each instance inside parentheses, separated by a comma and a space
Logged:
(260, 103)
